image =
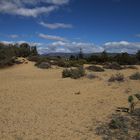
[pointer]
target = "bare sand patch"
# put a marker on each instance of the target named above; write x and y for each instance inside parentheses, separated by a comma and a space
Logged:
(38, 104)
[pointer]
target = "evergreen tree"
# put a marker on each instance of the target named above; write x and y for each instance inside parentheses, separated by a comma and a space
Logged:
(138, 55)
(81, 56)
(34, 51)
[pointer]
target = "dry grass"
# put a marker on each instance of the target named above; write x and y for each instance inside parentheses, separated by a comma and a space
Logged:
(38, 104)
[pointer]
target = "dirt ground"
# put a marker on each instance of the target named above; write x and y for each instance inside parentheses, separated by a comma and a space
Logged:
(38, 104)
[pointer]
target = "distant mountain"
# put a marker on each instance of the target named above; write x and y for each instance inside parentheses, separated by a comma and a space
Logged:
(75, 54)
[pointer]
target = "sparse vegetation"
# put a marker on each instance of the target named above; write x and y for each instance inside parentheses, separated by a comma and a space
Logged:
(44, 65)
(122, 126)
(133, 102)
(113, 65)
(66, 73)
(135, 76)
(73, 73)
(9, 52)
(95, 68)
(118, 77)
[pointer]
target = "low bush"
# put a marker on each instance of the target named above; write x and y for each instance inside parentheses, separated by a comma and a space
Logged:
(77, 73)
(63, 63)
(95, 68)
(118, 123)
(133, 100)
(73, 73)
(113, 65)
(44, 65)
(66, 73)
(70, 63)
(135, 76)
(122, 126)
(7, 62)
(118, 77)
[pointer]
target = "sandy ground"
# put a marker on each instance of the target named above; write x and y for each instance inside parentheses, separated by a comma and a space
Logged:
(38, 104)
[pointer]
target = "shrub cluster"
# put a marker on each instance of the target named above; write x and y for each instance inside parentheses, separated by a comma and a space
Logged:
(73, 73)
(122, 126)
(95, 68)
(121, 58)
(9, 52)
(118, 77)
(44, 65)
(113, 65)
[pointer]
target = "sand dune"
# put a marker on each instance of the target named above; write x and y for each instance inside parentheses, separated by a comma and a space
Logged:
(38, 104)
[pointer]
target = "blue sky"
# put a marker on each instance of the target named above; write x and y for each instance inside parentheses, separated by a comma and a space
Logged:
(67, 25)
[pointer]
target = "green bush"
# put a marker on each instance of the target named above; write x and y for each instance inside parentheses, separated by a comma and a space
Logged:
(44, 65)
(63, 63)
(73, 73)
(135, 76)
(118, 77)
(133, 102)
(77, 73)
(7, 62)
(70, 63)
(66, 73)
(118, 122)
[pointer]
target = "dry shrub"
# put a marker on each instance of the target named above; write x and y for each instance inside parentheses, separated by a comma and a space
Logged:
(73, 73)
(44, 65)
(113, 65)
(135, 76)
(118, 77)
(95, 68)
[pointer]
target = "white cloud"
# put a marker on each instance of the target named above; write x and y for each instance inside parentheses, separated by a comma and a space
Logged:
(21, 7)
(22, 41)
(55, 25)
(122, 46)
(51, 37)
(57, 2)
(70, 47)
(7, 42)
(13, 36)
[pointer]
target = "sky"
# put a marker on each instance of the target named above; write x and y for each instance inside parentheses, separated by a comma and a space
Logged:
(68, 25)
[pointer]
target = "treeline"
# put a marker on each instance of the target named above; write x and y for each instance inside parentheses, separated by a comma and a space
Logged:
(9, 52)
(122, 58)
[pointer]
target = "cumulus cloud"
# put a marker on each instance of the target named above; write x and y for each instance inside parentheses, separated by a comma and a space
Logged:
(55, 25)
(112, 47)
(51, 37)
(122, 46)
(72, 47)
(69, 47)
(30, 8)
